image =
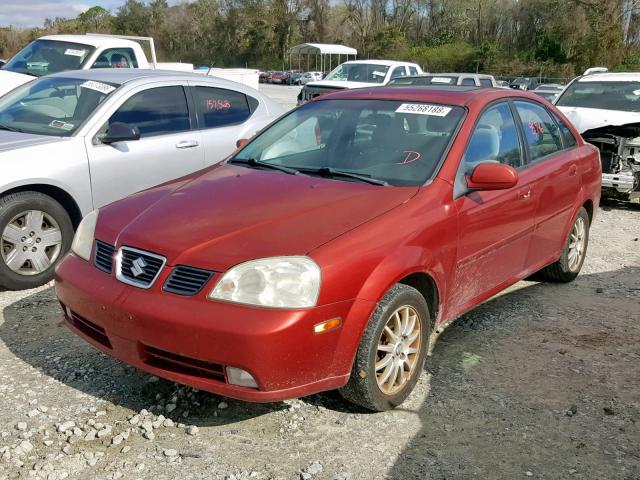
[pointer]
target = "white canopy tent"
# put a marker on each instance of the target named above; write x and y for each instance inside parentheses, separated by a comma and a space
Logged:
(320, 51)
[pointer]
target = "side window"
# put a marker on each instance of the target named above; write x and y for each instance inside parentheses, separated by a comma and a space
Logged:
(495, 138)
(567, 136)
(540, 131)
(116, 58)
(218, 107)
(486, 82)
(156, 111)
(398, 72)
(413, 71)
(468, 82)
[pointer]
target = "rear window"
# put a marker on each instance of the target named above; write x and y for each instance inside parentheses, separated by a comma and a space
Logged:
(399, 142)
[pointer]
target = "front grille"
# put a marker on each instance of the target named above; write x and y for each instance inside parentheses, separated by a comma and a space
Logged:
(137, 267)
(309, 92)
(174, 362)
(187, 280)
(90, 329)
(103, 257)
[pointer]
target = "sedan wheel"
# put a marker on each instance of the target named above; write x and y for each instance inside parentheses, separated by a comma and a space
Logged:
(35, 232)
(392, 351)
(31, 242)
(577, 244)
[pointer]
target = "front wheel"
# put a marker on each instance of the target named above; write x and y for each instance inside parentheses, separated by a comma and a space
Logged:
(570, 262)
(392, 351)
(35, 232)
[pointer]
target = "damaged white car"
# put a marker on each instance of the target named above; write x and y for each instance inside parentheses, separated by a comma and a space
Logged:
(605, 109)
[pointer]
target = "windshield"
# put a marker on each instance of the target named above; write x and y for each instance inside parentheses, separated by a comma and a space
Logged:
(52, 106)
(359, 72)
(399, 143)
(621, 96)
(425, 80)
(43, 57)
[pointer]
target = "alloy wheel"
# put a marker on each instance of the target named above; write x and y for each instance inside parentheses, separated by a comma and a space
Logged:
(577, 244)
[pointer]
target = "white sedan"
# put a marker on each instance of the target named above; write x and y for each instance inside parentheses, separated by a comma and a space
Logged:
(75, 141)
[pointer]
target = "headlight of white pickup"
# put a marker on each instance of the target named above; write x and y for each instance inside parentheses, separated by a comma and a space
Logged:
(83, 240)
(276, 282)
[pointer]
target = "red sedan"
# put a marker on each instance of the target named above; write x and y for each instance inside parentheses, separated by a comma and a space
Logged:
(328, 250)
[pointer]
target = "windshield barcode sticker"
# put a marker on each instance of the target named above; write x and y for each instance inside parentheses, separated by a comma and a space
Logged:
(98, 86)
(441, 80)
(74, 53)
(423, 109)
(62, 125)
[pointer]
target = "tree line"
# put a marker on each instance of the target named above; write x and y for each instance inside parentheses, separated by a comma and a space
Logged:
(509, 37)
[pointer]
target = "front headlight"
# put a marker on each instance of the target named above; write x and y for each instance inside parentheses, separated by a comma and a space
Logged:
(83, 240)
(278, 282)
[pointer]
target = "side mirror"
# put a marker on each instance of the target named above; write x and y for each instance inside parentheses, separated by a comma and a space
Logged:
(121, 132)
(242, 142)
(492, 176)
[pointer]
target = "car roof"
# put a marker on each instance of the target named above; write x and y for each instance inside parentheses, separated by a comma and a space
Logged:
(611, 77)
(123, 76)
(460, 96)
(92, 40)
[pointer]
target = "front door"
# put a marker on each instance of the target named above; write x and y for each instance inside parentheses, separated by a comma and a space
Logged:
(494, 226)
(168, 147)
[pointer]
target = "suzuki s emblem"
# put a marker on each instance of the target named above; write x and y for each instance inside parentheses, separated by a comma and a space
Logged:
(137, 267)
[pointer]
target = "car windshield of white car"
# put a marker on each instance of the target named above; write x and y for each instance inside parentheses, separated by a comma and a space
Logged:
(400, 143)
(52, 105)
(44, 57)
(359, 72)
(621, 96)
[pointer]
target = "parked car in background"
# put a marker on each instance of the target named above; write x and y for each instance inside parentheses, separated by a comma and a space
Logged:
(502, 84)
(57, 53)
(548, 91)
(361, 223)
(294, 78)
(74, 141)
(524, 83)
(265, 77)
(310, 77)
(278, 77)
(450, 79)
(358, 74)
(605, 108)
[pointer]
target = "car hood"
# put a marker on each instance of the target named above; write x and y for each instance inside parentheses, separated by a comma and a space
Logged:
(10, 80)
(586, 120)
(336, 84)
(14, 140)
(230, 214)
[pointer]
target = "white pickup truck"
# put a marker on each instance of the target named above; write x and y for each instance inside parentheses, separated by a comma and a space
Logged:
(57, 53)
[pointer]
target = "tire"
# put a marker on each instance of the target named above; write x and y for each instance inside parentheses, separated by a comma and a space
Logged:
(567, 267)
(52, 240)
(363, 387)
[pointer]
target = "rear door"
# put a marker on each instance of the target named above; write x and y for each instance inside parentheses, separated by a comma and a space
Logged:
(552, 160)
(169, 146)
(494, 226)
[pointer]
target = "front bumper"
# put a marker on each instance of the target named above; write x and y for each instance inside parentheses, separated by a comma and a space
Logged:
(191, 340)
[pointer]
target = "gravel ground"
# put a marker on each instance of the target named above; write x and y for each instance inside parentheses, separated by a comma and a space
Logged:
(541, 381)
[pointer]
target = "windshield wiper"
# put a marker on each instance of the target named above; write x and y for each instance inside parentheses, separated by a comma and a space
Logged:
(10, 129)
(252, 162)
(330, 172)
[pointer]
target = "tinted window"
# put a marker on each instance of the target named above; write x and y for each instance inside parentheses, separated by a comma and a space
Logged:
(400, 143)
(567, 136)
(398, 72)
(218, 107)
(495, 138)
(486, 82)
(116, 58)
(413, 71)
(541, 133)
(468, 82)
(156, 111)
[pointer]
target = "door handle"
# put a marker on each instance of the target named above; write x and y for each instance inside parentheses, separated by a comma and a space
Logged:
(187, 144)
(524, 194)
(572, 170)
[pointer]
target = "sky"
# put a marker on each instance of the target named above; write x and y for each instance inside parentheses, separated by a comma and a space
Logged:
(32, 13)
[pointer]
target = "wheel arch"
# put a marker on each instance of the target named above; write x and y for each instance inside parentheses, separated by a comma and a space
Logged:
(58, 194)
